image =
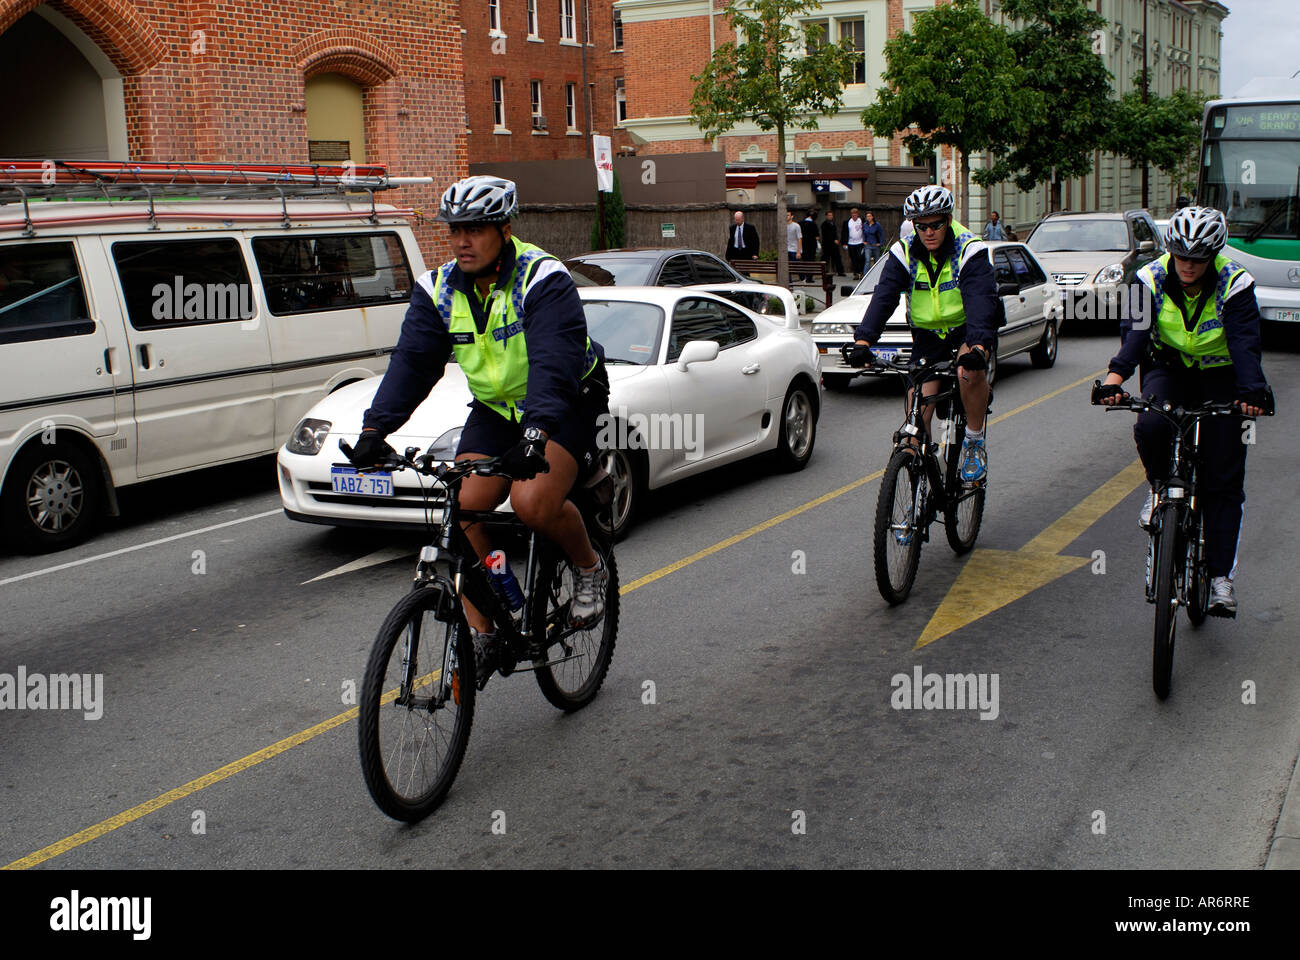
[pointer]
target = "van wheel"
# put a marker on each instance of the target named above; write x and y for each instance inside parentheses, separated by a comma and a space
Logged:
(52, 498)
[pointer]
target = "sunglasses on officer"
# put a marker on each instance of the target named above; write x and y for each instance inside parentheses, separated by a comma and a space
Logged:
(930, 226)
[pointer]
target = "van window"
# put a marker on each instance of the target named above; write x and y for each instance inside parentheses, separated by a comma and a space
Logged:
(332, 272)
(41, 295)
(176, 283)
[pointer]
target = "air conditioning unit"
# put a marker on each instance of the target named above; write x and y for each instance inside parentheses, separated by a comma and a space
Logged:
(539, 122)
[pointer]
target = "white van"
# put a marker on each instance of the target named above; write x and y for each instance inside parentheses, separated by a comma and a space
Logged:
(143, 339)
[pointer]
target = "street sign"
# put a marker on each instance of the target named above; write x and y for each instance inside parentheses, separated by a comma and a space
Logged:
(668, 230)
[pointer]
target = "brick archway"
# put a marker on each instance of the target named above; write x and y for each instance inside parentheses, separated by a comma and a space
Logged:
(347, 52)
(115, 26)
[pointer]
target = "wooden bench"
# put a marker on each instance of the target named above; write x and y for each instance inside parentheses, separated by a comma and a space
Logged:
(807, 273)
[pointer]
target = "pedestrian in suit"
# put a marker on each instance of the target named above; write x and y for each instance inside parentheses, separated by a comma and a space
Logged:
(831, 242)
(809, 227)
(742, 242)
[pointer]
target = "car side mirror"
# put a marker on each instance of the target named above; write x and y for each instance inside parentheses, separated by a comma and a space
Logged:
(846, 289)
(1008, 289)
(1146, 246)
(698, 351)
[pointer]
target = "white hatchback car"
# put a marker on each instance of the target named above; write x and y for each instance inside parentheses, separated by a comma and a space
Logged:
(696, 381)
(1028, 294)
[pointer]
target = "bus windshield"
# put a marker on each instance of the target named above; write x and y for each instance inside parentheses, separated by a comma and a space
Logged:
(1251, 169)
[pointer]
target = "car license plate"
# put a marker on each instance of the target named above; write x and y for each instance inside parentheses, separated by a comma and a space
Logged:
(885, 353)
(1292, 315)
(347, 480)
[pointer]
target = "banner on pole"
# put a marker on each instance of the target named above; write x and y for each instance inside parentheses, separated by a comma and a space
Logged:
(604, 155)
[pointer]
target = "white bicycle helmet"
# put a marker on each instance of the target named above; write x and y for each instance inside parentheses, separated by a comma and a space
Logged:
(479, 200)
(928, 201)
(1196, 233)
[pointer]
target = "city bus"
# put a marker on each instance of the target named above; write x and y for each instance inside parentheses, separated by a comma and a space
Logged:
(1250, 169)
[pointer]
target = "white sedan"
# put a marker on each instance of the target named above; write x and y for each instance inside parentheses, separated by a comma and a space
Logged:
(696, 381)
(1028, 295)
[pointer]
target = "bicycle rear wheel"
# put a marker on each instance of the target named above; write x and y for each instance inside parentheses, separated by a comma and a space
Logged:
(897, 536)
(416, 705)
(1198, 576)
(577, 659)
(1168, 561)
(964, 509)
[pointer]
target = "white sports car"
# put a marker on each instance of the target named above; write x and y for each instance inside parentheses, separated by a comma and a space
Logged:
(696, 381)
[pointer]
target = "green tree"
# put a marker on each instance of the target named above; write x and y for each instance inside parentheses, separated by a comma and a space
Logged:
(954, 77)
(779, 76)
(1163, 132)
(615, 220)
(1072, 86)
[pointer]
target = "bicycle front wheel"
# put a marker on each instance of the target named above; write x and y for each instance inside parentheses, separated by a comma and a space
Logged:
(1168, 561)
(899, 515)
(576, 660)
(964, 510)
(417, 704)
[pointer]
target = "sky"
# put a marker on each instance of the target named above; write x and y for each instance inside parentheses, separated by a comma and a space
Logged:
(1261, 38)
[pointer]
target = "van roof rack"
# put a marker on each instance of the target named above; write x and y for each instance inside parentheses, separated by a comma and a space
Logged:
(24, 180)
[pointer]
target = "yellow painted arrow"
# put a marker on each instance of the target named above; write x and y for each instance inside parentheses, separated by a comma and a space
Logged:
(992, 579)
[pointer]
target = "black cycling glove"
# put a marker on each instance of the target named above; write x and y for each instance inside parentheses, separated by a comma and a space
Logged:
(973, 359)
(1104, 391)
(370, 450)
(857, 355)
(1258, 398)
(526, 458)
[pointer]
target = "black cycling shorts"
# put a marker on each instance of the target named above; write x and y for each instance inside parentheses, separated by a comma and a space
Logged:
(489, 433)
(930, 346)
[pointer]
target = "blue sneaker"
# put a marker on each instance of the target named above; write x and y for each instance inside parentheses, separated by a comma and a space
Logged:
(974, 464)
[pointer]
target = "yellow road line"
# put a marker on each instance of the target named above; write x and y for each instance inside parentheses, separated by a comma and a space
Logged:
(1092, 508)
(266, 753)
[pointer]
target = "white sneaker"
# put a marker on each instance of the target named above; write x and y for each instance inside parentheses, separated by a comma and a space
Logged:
(1148, 508)
(1223, 601)
(589, 588)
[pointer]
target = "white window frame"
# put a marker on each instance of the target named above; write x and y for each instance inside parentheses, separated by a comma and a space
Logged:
(618, 30)
(498, 103)
(535, 104)
(494, 16)
(620, 101)
(534, 28)
(570, 107)
(862, 53)
(568, 22)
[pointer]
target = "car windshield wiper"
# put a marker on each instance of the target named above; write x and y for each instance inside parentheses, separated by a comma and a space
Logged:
(621, 360)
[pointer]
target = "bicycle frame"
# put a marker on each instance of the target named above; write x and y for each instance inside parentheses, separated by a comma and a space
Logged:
(915, 427)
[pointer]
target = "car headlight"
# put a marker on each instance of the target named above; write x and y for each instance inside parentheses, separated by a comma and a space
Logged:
(308, 437)
(1111, 274)
(444, 448)
(841, 329)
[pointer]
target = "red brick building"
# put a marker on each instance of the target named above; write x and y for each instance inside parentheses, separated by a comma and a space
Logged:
(205, 80)
(540, 77)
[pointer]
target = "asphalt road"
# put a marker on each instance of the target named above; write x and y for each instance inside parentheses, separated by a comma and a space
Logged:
(772, 687)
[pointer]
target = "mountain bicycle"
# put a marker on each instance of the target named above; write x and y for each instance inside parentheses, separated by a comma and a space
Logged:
(416, 705)
(921, 481)
(1177, 574)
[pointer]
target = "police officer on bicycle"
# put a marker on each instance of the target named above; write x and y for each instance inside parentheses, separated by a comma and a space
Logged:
(1196, 336)
(952, 307)
(511, 314)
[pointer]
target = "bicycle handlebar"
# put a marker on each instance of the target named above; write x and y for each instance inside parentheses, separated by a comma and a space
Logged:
(424, 463)
(898, 366)
(1169, 411)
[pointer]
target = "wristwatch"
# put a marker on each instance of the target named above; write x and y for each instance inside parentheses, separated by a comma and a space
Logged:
(534, 435)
